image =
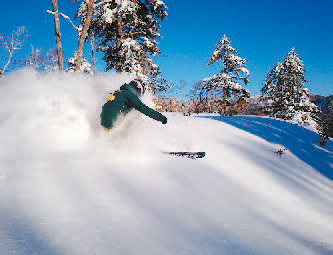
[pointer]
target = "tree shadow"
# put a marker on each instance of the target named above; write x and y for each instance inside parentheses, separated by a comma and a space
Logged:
(22, 237)
(194, 228)
(189, 210)
(315, 246)
(298, 140)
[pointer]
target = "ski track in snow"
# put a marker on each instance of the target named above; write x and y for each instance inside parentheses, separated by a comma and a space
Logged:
(68, 187)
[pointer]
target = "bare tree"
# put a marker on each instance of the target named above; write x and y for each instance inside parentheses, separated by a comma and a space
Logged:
(58, 34)
(12, 43)
(43, 60)
(90, 5)
(197, 91)
(86, 11)
(92, 42)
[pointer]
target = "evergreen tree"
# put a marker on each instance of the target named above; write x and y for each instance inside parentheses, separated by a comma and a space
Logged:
(284, 94)
(325, 125)
(271, 90)
(232, 73)
(127, 32)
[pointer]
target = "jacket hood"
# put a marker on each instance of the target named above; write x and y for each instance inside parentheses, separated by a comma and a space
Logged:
(129, 87)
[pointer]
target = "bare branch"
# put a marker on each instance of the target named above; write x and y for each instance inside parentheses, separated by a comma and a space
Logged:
(79, 29)
(68, 18)
(50, 12)
(12, 43)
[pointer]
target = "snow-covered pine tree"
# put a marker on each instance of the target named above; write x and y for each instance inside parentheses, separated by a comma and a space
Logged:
(137, 61)
(233, 70)
(85, 65)
(127, 31)
(287, 97)
(271, 90)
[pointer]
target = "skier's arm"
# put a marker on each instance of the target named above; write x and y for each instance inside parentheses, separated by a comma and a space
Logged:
(141, 107)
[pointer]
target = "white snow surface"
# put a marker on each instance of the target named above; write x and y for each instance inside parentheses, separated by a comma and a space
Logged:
(69, 187)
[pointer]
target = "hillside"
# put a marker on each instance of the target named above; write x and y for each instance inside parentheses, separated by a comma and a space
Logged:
(67, 187)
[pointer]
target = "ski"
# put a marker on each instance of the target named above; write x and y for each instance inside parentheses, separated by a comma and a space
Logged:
(187, 154)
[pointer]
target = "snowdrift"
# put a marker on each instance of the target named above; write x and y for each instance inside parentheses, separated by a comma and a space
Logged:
(69, 187)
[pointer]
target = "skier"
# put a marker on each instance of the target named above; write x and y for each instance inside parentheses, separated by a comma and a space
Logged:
(124, 100)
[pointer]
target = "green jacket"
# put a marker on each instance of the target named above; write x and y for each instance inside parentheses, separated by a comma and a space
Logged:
(123, 101)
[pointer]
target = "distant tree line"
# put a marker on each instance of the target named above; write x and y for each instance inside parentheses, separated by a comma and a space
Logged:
(283, 94)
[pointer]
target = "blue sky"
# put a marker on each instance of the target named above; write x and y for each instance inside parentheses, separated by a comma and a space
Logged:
(261, 31)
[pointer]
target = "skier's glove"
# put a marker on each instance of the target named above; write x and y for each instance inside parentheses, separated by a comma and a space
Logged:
(165, 120)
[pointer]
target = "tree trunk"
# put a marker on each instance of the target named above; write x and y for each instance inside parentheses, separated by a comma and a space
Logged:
(11, 52)
(225, 94)
(92, 40)
(58, 35)
(119, 40)
(83, 34)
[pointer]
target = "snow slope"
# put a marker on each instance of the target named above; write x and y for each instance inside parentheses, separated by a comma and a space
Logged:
(68, 187)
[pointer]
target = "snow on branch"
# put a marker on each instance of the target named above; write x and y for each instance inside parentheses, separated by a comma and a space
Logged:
(79, 29)
(102, 3)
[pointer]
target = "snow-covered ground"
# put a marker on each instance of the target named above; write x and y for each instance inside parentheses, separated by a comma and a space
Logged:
(68, 187)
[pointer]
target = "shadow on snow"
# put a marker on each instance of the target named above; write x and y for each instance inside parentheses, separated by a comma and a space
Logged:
(298, 140)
